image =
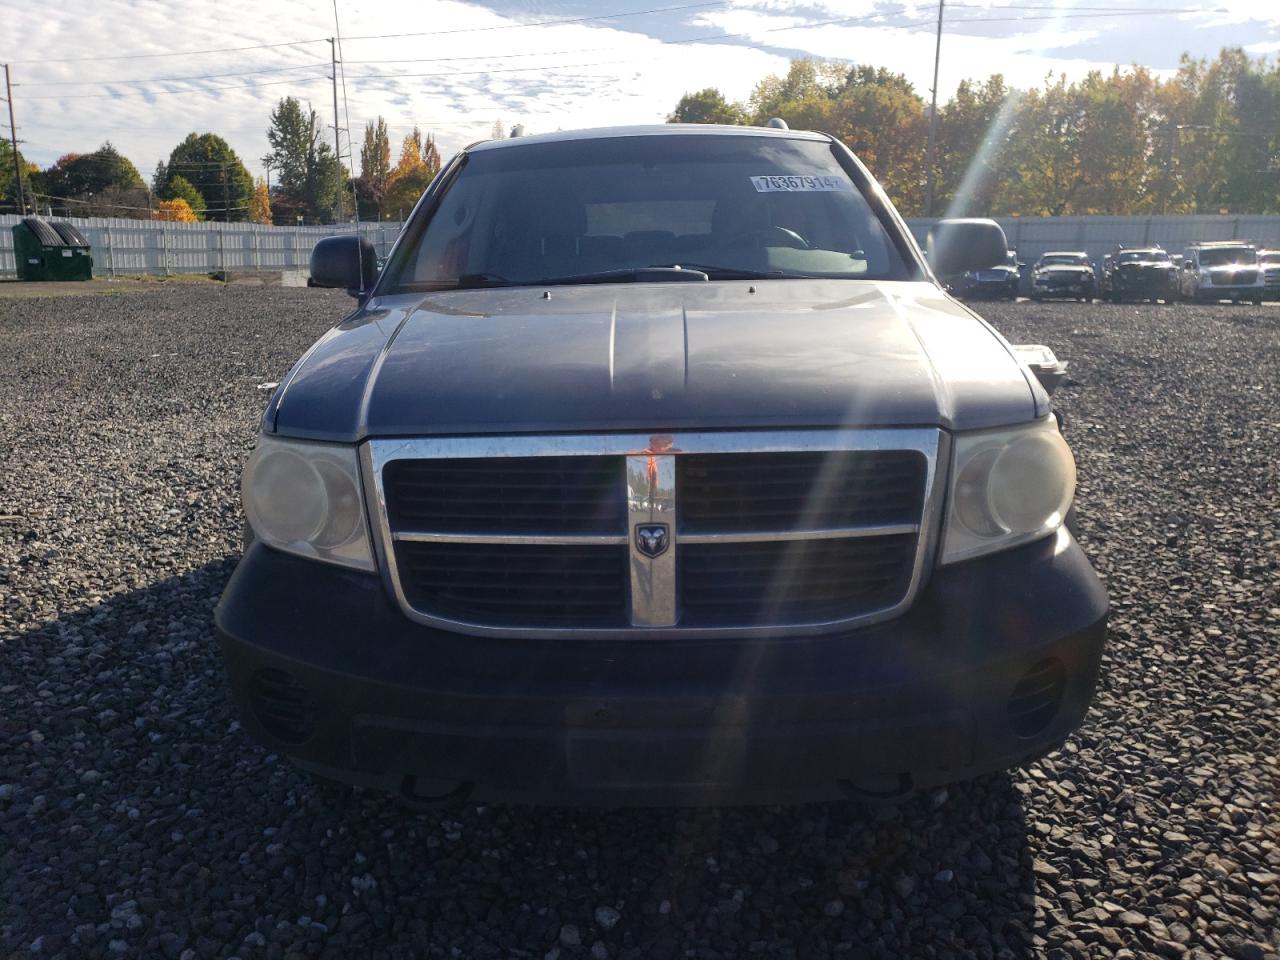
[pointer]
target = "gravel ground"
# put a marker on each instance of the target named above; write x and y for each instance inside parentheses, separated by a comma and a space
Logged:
(137, 820)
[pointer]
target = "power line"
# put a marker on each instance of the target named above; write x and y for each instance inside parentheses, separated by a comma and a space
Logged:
(296, 43)
(203, 76)
(540, 23)
(172, 53)
(163, 93)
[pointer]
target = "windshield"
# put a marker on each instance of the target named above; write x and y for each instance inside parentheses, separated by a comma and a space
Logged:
(1221, 256)
(1063, 260)
(1147, 256)
(592, 210)
(1271, 256)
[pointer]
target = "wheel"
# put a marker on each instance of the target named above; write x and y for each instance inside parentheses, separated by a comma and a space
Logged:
(1256, 301)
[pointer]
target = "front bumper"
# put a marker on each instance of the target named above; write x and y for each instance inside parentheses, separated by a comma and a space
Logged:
(1243, 291)
(1154, 286)
(928, 698)
(1047, 291)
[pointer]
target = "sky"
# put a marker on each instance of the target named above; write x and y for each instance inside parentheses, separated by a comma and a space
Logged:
(89, 71)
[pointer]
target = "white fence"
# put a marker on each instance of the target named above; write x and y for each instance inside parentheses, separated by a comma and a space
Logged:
(131, 247)
(1032, 236)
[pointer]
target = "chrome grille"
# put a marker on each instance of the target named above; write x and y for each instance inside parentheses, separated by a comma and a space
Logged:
(734, 532)
(1272, 278)
(1234, 278)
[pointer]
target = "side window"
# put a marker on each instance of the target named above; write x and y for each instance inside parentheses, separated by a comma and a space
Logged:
(446, 246)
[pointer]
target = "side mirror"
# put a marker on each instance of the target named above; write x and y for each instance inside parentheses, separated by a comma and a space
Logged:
(958, 246)
(347, 262)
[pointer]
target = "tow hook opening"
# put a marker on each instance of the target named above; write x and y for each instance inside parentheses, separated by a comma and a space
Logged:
(426, 794)
(880, 790)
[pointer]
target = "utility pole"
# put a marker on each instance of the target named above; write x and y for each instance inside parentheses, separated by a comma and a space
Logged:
(13, 139)
(933, 120)
(337, 149)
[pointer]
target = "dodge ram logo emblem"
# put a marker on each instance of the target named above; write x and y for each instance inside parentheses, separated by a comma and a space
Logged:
(652, 539)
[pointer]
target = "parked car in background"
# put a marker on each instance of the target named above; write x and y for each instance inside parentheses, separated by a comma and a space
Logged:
(1138, 273)
(655, 467)
(1269, 262)
(994, 283)
(1064, 276)
(1222, 270)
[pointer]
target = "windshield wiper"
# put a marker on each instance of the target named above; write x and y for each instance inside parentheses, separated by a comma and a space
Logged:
(634, 275)
(727, 273)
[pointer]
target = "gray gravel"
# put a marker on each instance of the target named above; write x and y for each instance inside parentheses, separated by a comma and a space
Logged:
(137, 820)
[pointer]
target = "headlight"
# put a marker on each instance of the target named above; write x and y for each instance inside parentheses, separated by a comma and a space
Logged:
(305, 498)
(1007, 487)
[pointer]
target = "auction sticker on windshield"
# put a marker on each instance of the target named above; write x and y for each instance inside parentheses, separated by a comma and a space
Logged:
(799, 184)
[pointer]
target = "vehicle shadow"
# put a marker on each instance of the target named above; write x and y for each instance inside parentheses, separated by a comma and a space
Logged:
(138, 819)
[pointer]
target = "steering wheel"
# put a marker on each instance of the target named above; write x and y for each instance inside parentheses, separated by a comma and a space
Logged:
(770, 236)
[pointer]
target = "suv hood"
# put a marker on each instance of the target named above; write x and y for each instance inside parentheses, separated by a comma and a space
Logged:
(656, 356)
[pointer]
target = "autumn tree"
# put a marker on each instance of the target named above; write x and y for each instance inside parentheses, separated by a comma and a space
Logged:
(1113, 142)
(875, 112)
(180, 188)
(260, 203)
(410, 177)
(175, 211)
(973, 131)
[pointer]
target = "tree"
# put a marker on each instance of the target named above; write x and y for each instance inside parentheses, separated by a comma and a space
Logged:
(214, 169)
(309, 171)
(180, 188)
(375, 170)
(875, 112)
(972, 132)
(707, 106)
(375, 155)
(431, 157)
(1118, 142)
(260, 203)
(175, 211)
(410, 177)
(79, 176)
(9, 180)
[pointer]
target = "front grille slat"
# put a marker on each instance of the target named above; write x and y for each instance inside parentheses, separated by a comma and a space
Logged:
(527, 584)
(735, 492)
(806, 541)
(506, 495)
(745, 584)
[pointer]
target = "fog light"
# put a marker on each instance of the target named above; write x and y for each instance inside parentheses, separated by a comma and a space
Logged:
(1037, 697)
(283, 705)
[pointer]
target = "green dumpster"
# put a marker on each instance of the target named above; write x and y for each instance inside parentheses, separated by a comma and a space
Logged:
(51, 250)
